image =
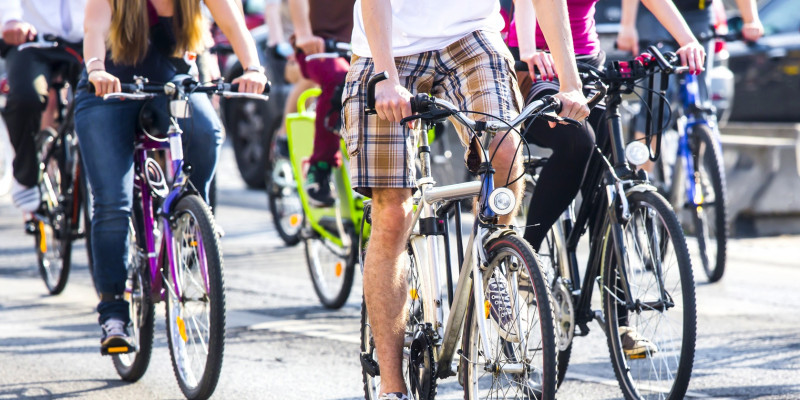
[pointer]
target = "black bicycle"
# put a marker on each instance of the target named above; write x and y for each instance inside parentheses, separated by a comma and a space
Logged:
(638, 254)
(64, 214)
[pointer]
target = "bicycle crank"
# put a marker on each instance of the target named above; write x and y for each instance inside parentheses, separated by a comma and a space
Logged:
(421, 365)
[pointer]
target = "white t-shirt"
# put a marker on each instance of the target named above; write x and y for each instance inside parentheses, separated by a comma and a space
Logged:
(423, 25)
(63, 18)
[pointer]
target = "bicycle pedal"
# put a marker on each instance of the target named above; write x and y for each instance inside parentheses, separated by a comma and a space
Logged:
(369, 365)
(31, 227)
(116, 348)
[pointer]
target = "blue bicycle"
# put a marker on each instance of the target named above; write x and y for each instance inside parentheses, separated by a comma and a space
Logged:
(692, 174)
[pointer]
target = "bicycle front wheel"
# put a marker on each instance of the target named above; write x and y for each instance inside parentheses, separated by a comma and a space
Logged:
(651, 336)
(332, 268)
(132, 366)
(195, 299)
(517, 356)
(710, 227)
(284, 202)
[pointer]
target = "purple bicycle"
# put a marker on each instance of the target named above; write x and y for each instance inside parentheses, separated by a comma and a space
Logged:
(174, 252)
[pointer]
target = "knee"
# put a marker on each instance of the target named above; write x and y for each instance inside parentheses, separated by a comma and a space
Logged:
(506, 153)
(391, 211)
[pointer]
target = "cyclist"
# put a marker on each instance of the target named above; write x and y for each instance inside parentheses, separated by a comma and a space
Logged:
(642, 27)
(145, 38)
(22, 21)
(314, 22)
(560, 178)
(450, 48)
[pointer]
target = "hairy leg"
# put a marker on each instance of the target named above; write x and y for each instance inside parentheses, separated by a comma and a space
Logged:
(385, 281)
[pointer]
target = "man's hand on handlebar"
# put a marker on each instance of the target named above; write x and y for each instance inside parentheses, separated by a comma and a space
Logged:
(310, 44)
(392, 100)
(251, 82)
(104, 83)
(692, 55)
(16, 33)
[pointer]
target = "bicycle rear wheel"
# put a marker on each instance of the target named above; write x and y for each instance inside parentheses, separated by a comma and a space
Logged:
(132, 366)
(522, 357)
(332, 267)
(284, 202)
(195, 299)
(53, 232)
(710, 227)
(656, 258)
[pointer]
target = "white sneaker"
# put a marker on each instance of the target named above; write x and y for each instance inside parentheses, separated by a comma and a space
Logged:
(26, 199)
(393, 396)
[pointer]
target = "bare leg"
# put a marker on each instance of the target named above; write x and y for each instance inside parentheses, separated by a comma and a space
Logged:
(502, 163)
(385, 281)
(291, 101)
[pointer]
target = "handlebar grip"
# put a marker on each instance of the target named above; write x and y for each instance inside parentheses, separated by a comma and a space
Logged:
(234, 87)
(371, 83)
(126, 88)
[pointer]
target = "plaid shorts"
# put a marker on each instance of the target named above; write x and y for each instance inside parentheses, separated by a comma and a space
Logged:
(475, 73)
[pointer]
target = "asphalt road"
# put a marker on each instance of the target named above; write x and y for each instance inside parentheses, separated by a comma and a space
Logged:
(282, 344)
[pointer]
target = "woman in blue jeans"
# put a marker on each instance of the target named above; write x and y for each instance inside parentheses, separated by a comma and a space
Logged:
(145, 38)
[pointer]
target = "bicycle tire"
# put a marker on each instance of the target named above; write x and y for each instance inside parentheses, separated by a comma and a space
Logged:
(538, 297)
(333, 276)
(652, 219)
(196, 245)
(53, 238)
(132, 366)
(416, 316)
(713, 226)
(288, 224)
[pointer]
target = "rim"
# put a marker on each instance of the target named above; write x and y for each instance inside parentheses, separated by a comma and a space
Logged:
(289, 209)
(650, 247)
(525, 353)
(189, 315)
(50, 246)
(327, 263)
(706, 215)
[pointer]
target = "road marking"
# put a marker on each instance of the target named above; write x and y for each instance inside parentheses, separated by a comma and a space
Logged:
(611, 382)
(319, 328)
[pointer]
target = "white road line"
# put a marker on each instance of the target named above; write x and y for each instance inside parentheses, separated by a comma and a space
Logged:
(611, 382)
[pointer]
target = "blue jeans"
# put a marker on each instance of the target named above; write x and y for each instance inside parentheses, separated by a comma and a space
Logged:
(106, 132)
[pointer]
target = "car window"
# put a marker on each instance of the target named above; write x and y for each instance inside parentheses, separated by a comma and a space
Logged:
(780, 16)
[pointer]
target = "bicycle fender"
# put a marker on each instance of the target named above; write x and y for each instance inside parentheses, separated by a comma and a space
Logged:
(641, 188)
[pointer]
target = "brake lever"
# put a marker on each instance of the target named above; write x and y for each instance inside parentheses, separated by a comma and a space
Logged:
(553, 117)
(410, 118)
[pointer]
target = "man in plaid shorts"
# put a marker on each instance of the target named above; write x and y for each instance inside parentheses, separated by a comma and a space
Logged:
(451, 49)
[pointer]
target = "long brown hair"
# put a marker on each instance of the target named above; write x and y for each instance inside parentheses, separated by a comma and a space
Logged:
(130, 28)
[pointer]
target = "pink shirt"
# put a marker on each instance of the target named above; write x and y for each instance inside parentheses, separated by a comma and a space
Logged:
(581, 20)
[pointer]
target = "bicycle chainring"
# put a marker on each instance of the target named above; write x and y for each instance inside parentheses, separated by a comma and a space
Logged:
(421, 365)
(564, 312)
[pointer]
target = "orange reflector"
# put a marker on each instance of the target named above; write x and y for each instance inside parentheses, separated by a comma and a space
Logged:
(294, 220)
(193, 243)
(414, 294)
(486, 308)
(181, 328)
(339, 269)
(118, 349)
(42, 238)
(637, 356)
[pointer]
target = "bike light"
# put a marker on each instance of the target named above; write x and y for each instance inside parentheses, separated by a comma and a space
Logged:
(637, 153)
(502, 201)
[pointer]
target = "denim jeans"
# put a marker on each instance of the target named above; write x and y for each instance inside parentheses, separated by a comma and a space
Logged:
(106, 132)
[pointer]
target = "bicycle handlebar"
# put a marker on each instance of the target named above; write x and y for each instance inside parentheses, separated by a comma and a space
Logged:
(144, 90)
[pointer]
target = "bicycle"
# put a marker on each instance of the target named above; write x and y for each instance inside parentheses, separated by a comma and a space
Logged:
(638, 255)
(64, 214)
(174, 250)
(520, 356)
(693, 176)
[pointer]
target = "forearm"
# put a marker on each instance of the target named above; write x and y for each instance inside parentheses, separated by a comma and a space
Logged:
(97, 22)
(558, 35)
(748, 10)
(272, 16)
(629, 10)
(525, 20)
(231, 21)
(377, 16)
(298, 10)
(669, 16)
(10, 10)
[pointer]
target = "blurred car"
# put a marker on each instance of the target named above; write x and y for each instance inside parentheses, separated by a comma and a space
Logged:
(250, 124)
(767, 73)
